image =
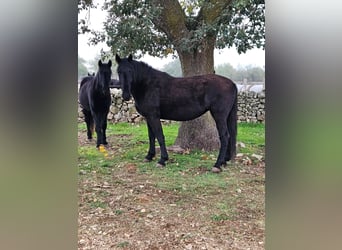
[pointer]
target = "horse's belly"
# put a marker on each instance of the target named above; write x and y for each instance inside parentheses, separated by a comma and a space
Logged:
(181, 113)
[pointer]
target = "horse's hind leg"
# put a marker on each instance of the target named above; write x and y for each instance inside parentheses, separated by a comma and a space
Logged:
(222, 129)
(232, 130)
(88, 118)
(152, 139)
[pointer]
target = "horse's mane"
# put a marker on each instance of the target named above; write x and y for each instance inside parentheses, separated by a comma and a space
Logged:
(144, 68)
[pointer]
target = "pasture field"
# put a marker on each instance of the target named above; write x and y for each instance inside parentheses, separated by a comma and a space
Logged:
(125, 203)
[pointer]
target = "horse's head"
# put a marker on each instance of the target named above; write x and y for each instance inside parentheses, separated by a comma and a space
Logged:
(104, 73)
(125, 72)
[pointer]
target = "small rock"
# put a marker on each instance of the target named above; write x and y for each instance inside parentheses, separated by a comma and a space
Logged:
(258, 157)
(83, 172)
(239, 155)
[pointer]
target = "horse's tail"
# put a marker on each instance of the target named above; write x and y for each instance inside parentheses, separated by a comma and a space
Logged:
(232, 127)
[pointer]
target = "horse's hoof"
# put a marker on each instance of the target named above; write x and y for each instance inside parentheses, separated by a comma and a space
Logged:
(146, 160)
(216, 170)
(160, 165)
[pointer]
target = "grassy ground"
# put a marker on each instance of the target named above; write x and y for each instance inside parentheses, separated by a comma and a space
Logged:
(127, 204)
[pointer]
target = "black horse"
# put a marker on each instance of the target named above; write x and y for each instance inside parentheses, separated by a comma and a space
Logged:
(95, 100)
(158, 96)
(87, 78)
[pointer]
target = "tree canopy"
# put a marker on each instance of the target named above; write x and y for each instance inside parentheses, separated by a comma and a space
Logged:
(162, 27)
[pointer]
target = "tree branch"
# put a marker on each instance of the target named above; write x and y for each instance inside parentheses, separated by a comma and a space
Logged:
(171, 20)
(211, 10)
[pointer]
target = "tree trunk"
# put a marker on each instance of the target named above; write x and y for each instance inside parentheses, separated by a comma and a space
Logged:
(199, 133)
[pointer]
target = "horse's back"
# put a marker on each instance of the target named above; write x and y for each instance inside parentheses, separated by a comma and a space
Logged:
(83, 94)
(189, 97)
(203, 87)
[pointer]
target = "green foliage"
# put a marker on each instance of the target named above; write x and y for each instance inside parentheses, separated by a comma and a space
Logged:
(129, 28)
(242, 24)
(139, 27)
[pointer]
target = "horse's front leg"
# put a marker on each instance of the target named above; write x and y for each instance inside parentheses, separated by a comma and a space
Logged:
(155, 125)
(98, 129)
(104, 128)
(152, 139)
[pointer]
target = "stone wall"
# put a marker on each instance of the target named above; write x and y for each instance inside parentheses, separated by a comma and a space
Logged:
(251, 108)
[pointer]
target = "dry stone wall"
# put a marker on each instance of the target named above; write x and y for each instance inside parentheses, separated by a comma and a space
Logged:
(251, 108)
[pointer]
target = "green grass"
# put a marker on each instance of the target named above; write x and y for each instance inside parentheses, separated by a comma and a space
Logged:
(253, 136)
(187, 174)
(219, 217)
(96, 204)
(123, 244)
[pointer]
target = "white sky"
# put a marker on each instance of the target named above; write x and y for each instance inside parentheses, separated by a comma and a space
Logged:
(255, 57)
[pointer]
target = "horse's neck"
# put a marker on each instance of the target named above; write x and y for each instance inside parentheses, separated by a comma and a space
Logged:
(100, 87)
(144, 72)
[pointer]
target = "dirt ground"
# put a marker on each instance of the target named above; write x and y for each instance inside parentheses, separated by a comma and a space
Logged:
(126, 210)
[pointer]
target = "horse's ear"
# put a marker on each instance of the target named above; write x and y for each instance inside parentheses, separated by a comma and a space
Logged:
(117, 58)
(110, 63)
(130, 57)
(100, 63)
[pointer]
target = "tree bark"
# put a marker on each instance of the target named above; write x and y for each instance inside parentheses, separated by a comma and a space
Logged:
(200, 133)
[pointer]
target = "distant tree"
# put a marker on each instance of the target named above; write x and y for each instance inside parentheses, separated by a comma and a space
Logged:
(189, 29)
(255, 74)
(173, 68)
(92, 65)
(82, 69)
(251, 73)
(226, 70)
